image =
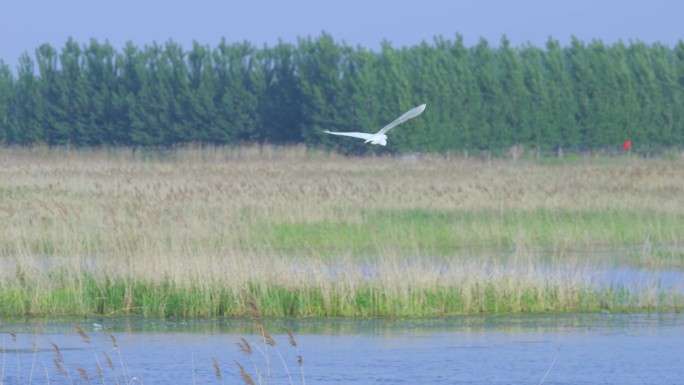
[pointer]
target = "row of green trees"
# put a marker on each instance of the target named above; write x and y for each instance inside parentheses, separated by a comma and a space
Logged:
(479, 98)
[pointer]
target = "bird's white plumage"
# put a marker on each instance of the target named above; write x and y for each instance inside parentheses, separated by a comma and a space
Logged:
(412, 113)
(361, 135)
(380, 137)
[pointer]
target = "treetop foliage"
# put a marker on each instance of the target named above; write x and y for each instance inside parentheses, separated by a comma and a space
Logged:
(479, 98)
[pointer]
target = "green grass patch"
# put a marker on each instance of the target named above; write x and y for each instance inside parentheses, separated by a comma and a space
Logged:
(367, 298)
(441, 232)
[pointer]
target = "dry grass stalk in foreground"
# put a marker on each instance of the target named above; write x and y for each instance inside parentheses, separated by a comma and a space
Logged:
(268, 344)
(70, 371)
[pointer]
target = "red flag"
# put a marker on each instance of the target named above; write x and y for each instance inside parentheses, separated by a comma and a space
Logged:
(627, 145)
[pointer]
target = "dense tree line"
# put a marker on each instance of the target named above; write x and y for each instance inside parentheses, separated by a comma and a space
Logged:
(480, 98)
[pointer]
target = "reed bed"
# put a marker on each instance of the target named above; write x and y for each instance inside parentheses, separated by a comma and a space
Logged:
(198, 231)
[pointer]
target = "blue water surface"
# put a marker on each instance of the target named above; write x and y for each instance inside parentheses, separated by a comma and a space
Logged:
(597, 348)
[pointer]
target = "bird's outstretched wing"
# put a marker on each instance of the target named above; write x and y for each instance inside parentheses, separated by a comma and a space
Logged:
(354, 134)
(412, 113)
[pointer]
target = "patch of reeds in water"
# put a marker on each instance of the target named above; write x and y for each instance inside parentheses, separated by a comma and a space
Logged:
(199, 231)
(109, 366)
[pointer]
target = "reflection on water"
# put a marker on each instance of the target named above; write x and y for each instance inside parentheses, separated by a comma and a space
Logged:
(604, 348)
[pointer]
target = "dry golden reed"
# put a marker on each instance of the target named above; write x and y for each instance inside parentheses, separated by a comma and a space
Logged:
(217, 368)
(290, 336)
(84, 374)
(219, 225)
(245, 376)
(82, 333)
(244, 347)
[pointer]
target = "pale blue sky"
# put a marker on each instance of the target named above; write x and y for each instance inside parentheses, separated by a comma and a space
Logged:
(25, 24)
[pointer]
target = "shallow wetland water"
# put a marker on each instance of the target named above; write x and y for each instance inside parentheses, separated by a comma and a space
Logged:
(597, 348)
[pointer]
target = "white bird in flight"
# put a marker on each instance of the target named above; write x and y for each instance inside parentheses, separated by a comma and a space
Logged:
(380, 137)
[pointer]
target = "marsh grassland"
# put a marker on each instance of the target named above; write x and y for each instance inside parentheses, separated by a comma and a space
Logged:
(196, 232)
